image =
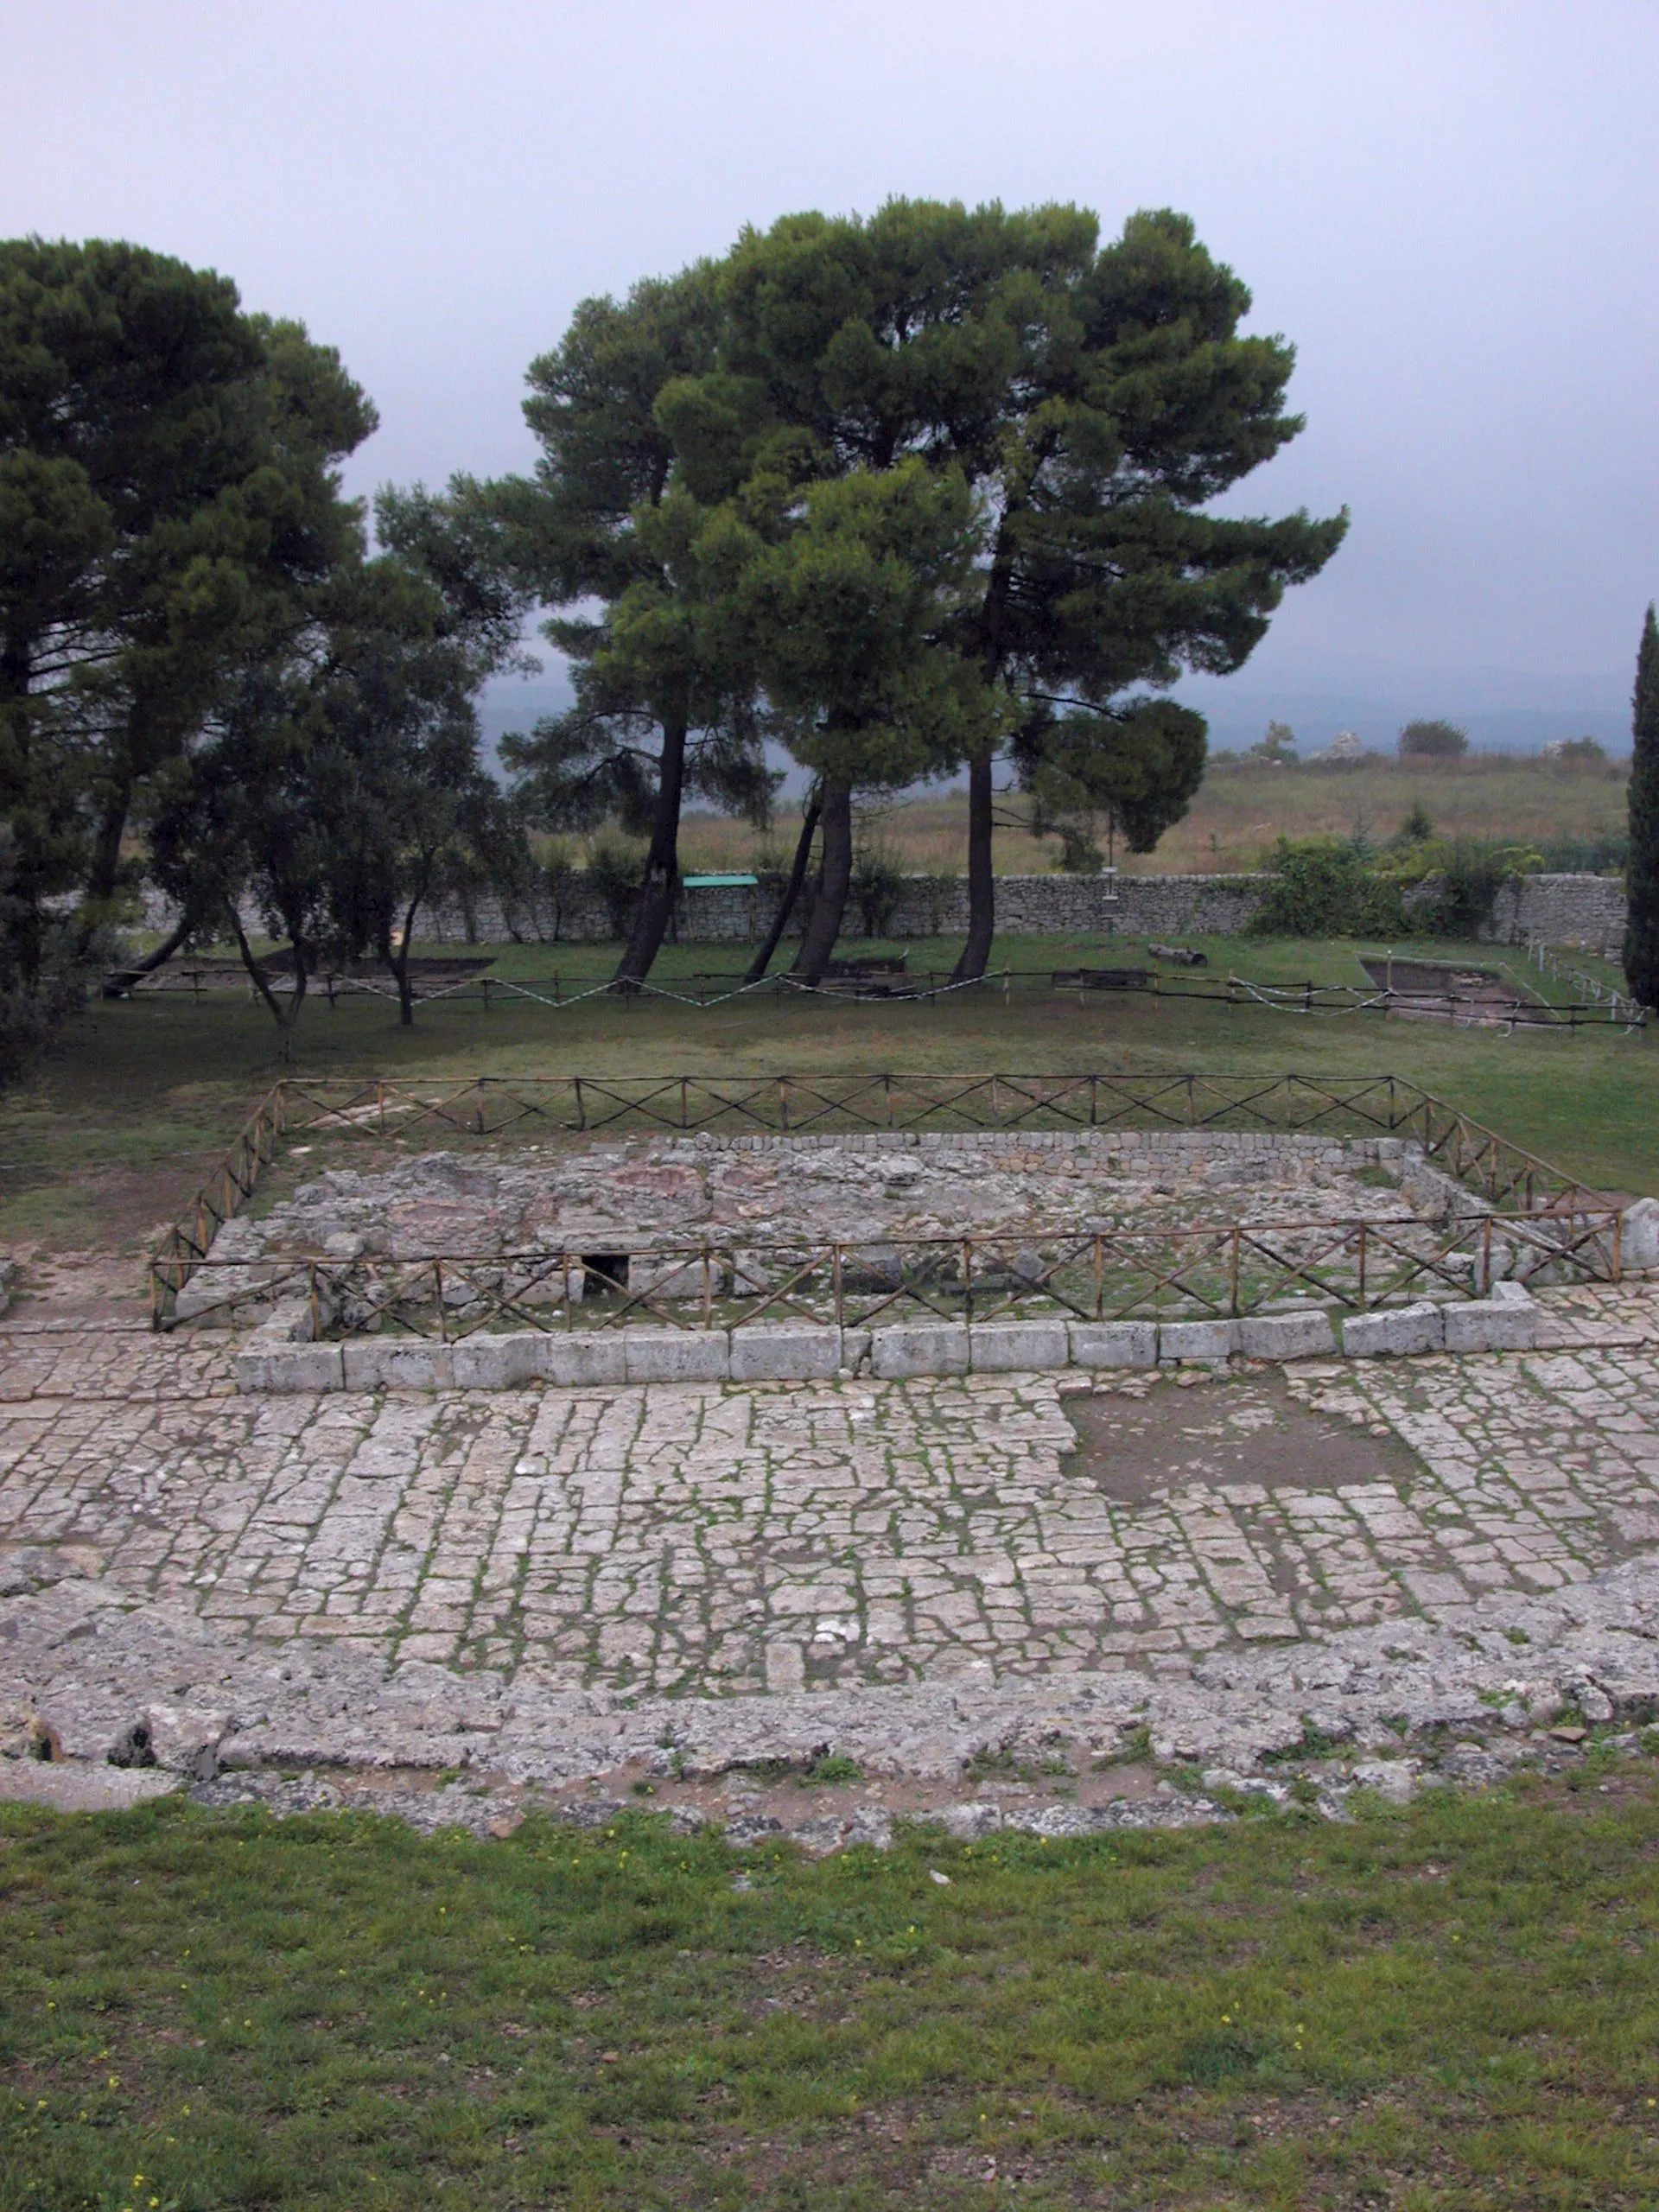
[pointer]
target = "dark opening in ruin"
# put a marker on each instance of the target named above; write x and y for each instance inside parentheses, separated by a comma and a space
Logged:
(605, 1271)
(132, 1747)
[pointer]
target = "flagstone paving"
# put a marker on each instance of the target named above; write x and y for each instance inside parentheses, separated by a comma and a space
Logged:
(697, 1538)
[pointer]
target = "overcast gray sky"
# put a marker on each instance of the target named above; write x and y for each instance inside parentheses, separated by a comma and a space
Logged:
(1452, 208)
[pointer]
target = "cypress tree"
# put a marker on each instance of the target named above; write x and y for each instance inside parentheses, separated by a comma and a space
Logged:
(1642, 870)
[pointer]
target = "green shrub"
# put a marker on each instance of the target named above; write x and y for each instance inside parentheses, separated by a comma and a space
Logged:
(615, 869)
(1432, 740)
(1324, 887)
(1604, 855)
(878, 886)
(1474, 874)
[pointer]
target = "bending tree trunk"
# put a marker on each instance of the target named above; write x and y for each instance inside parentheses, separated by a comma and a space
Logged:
(981, 883)
(786, 905)
(835, 880)
(397, 957)
(285, 1018)
(148, 962)
(655, 907)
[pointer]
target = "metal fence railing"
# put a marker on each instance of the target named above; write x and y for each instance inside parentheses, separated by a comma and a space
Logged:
(1501, 1178)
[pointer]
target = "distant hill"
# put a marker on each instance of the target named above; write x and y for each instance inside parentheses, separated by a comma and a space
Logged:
(1534, 711)
(510, 704)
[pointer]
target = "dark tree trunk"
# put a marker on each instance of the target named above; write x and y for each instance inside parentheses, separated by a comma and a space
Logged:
(149, 962)
(787, 904)
(398, 959)
(405, 997)
(655, 907)
(835, 880)
(1641, 873)
(106, 844)
(284, 1019)
(981, 883)
(982, 879)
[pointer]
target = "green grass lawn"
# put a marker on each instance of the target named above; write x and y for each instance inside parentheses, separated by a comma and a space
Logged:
(1452, 2006)
(120, 1124)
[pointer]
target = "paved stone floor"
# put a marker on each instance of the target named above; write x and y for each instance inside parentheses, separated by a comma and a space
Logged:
(698, 1539)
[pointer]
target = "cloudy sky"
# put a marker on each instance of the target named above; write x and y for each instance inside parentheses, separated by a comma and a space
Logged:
(1452, 208)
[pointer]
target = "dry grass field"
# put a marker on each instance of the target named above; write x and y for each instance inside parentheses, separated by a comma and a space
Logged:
(1242, 810)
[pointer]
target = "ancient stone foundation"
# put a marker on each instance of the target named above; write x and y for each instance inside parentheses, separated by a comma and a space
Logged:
(892, 1255)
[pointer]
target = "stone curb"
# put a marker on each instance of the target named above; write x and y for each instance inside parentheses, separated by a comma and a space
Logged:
(1507, 1321)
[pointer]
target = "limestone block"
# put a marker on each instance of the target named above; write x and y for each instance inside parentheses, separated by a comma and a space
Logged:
(996, 1347)
(919, 1347)
(1114, 1344)
(650, 1276)
(290, 1367)
(185, 1738)
(970, 1823)
(1287, 1336)
(1404, 1330)
(291, 1322)
(499, 1363)
(213, 1290)
(400, 1364)
(855, 1350)
(586, 1355)
(1492, 1325)
(1391, 1779)
(677, 1355)
(784, 1354)
(1638, 1236)
(1197, 1340)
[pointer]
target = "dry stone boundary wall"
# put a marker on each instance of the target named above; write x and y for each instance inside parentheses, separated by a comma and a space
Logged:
(1567, 910)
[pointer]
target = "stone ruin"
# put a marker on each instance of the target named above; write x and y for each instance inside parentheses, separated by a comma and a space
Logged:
(888, 1253)
(642, 1194)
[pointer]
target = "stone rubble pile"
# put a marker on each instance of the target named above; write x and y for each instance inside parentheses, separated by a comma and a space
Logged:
(644, 1192)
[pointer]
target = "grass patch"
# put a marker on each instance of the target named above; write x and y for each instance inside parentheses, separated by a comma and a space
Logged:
(1454, 2006)
(117, 1128)
(1241, 809)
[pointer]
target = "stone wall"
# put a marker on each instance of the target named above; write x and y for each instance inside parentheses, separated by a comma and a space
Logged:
(1565, 910)
(1027, 905)
(1577, 910)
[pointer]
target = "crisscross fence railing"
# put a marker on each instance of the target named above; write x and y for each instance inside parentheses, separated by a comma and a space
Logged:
(1501, 1177)
(1230, 1269)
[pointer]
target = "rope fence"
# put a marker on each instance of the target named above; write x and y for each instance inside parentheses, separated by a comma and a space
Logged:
(1600, 1006)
